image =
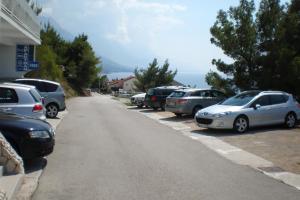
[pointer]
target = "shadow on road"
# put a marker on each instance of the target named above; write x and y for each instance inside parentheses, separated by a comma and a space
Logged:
(34, 165)
(258, 130)
(184, 118)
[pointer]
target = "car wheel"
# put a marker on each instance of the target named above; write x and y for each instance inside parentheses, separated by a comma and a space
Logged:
(241, 124)
(52, 110)
(162, 106)
(196, 109)
(290, 120)
(178, 114)
(140, 106)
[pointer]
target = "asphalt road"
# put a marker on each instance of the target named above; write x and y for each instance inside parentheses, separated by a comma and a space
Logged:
(105, 151)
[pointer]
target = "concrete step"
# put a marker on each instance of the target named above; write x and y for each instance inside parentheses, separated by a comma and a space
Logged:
(11, 184)
(1, 171)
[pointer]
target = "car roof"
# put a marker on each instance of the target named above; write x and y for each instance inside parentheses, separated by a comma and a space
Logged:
(193, 89)
(41, 80)
(19, 86)
(171, 87)
(261, 92)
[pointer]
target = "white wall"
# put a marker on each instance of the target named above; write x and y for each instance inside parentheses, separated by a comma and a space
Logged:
(129, 85)
(8, 63)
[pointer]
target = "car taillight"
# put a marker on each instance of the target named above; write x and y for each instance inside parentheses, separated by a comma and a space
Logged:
(37, 108)
(153, 98)
(181, 101)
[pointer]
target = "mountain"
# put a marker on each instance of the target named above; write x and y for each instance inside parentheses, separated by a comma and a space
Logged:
(63, 33)
(109, 66)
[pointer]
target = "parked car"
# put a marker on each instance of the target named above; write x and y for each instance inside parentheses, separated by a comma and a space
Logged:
(156, 97)
(190, 101)
(52, 92)
(250, 109)
(138, 100)
(31, 138)
(21, 100)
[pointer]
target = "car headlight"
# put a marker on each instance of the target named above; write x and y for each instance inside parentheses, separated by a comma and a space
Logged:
(39, 134)
(219, 115)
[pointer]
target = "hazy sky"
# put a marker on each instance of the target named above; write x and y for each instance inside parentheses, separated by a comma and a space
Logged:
(133, 32)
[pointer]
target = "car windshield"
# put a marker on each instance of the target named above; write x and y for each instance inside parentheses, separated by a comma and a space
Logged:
(150, 92)
(241, 99)
(177, 94)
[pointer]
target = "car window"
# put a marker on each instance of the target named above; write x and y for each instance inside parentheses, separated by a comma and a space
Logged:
(197, 94)
(150, 92)
(178, 94)
(8, 95)
(262, 101)
(36, 96)
(240, 99)
(218, 94)
(39, 85)
(167, 92)
(278, 99)
(207, 94)
(49, 87)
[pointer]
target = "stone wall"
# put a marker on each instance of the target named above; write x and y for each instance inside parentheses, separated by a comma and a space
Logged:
(9, 159)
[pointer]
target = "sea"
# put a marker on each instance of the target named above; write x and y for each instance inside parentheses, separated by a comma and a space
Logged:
(187, 78)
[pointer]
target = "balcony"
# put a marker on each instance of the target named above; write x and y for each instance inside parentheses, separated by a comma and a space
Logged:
(18, 23)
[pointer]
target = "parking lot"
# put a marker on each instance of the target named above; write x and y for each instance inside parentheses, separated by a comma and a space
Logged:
(274, 143)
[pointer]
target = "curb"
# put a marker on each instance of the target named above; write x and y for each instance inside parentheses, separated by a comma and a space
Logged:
(232, 153)
(30, 181)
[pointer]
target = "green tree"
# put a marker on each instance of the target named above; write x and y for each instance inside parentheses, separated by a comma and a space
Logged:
(268, 21)
(235, 33)
(154, 76)
(48, 67)
(81, 62)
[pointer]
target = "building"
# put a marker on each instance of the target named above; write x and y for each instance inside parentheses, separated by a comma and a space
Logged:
(125, 84)
(128, 84)
(19, 34)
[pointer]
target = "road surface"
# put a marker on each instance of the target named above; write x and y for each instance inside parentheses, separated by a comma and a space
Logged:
(105, 151)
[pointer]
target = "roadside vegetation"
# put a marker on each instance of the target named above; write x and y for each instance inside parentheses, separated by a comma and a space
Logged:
(154, 76)
(71, 63)
(264, 47)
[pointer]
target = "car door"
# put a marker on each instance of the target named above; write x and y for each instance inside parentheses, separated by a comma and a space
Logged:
(279, 108)
(9, 100)
(260, 115)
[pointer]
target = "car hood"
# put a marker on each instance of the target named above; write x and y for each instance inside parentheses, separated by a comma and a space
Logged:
(139, 95)
(22, 123)
(215, 109)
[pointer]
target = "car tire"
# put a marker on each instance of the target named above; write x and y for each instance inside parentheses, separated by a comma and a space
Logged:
(178, 114)
(162, 106)
(51, 110)
(290, 120)
(196, 109)
(140, 106)
(241, 124)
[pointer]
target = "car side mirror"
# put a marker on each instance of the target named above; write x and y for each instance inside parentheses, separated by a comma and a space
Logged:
(256, 106)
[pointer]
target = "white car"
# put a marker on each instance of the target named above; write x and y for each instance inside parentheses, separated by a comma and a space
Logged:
(250, 109)
(21, 100)
(138, 99)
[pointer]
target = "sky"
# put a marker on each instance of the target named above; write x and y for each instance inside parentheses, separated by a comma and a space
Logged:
(133, 32)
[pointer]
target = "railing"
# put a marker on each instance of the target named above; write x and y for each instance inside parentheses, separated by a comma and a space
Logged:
(20, 12)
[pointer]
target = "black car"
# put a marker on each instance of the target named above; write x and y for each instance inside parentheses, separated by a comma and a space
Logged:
(31, 138)
(156, 97)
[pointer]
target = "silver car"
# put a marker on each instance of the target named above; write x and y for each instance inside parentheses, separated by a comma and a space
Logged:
(250, 109)
(52, 92)
(21, 100)
(189, 101)
(138, 100)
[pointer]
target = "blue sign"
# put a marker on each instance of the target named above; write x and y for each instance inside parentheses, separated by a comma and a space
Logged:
(24, 58)
(33, 65)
